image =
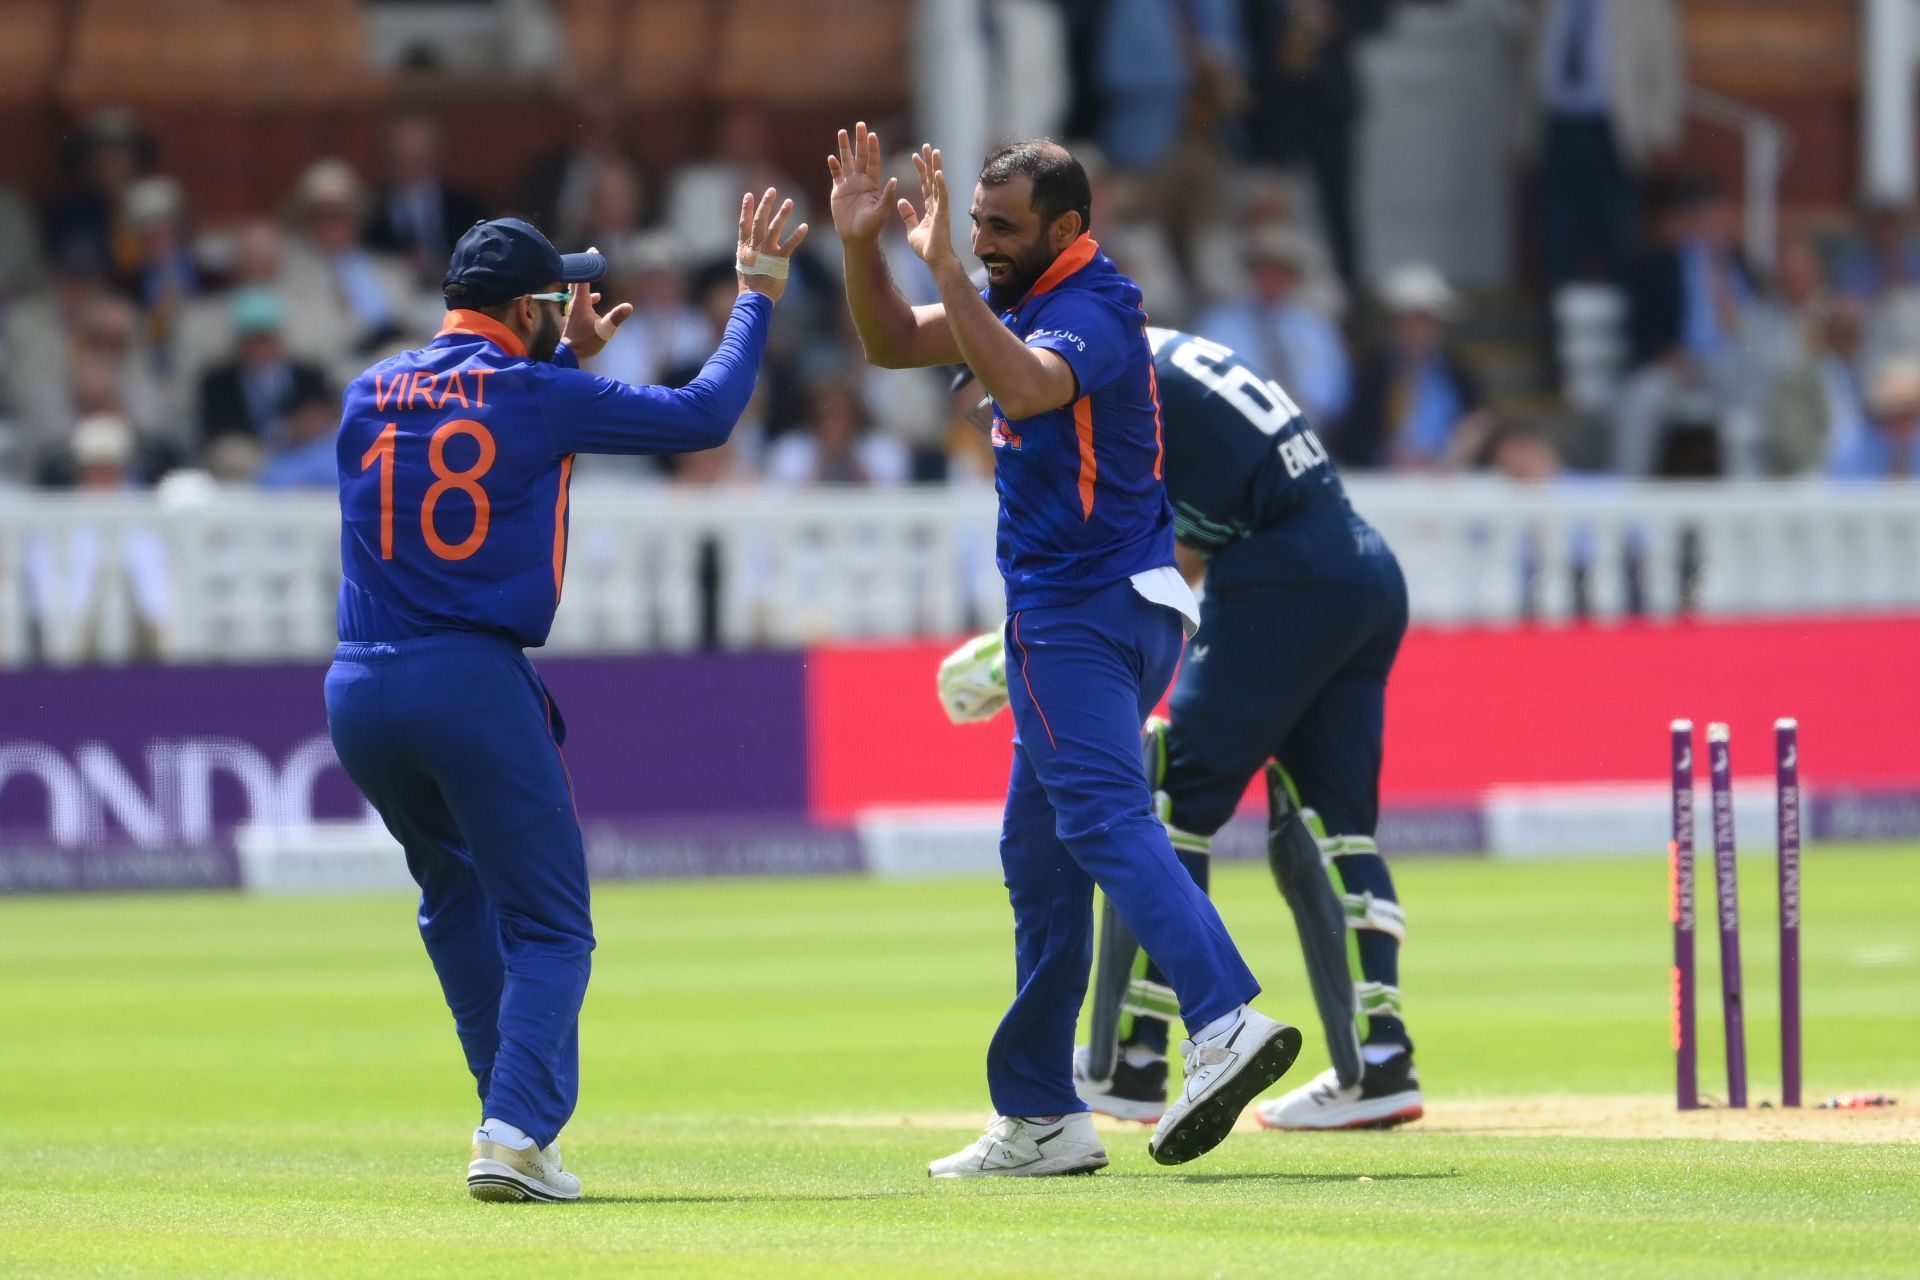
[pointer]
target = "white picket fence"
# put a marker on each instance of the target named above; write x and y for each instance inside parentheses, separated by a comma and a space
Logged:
(227, 576)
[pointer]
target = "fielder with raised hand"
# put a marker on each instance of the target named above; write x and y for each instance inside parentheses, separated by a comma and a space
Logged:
(454, 465)
(1304, 612)
(1097, 613)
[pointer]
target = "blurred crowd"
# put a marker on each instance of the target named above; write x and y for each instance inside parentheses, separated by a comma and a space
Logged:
(135, 339)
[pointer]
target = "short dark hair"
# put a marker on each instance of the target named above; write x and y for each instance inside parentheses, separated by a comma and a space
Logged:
(1059, 183)
(464, 297)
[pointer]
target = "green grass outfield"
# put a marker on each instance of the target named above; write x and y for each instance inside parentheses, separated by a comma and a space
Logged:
(223, 1086)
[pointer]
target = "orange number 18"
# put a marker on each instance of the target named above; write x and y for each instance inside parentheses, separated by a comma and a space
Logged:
(467, 482)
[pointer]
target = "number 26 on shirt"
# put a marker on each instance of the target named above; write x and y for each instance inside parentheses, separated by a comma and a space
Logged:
(381, 452)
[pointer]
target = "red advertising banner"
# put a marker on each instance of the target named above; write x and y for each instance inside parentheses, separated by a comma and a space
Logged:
(1468, 710)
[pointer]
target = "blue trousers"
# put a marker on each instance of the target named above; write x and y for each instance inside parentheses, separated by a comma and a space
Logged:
(455, 741)
(1081, 678)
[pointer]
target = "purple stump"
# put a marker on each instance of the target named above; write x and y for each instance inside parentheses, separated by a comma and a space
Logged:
(1727, 896)
(1680, 912)
(1786, 781)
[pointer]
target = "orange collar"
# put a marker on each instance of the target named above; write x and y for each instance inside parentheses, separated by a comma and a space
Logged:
(482, 325)
(1071, 259)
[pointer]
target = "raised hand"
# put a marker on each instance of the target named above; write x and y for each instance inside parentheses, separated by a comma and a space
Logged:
(861, 201)
(587, 332)
(762, 259)
(927, 232)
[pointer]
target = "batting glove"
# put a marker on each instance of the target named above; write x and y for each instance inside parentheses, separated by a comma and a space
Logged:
(973, 680)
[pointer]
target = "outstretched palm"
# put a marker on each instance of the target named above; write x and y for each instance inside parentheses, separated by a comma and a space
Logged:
(927, 232)
(862, 200)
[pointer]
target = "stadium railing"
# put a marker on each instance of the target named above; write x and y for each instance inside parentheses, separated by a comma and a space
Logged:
(193, 575)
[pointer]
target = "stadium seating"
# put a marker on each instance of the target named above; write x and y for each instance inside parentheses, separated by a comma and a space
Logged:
(30, 49)
(258, 52)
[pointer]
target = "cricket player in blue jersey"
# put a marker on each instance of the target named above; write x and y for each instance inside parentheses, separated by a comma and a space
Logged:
(1304, 614)
(1097, 614)
(454, 465)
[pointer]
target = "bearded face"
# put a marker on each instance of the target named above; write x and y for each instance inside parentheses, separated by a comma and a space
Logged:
(546, 337)
(1014, 267)
(1011, 240)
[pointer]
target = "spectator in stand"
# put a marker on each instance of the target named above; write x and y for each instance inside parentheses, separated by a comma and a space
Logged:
(1169, 79)
(1261, 198)
(1890, 446)
(23, 269)
(1518, 451)
(1817, 409)
(111, 369)
(415, 215)
(109, 155)
(1885, 257)
(355, 304)
(616, 207)
(1416, 403)
(22, 280)
(1881, 272)
(1780, 328)
(1137, 243)
(1272, 327)
(304, 459)
(76, 579)
(1689, 292)
(1610, 94)
(162, 276)
(1307, 101)
(743, 161)
(37, 360)
(205, 331)
(556, 188)
(835, 446)
(255, 393)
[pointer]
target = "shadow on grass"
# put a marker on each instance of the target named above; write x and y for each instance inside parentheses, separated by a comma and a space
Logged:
(752, 1198)
(1277, 1176)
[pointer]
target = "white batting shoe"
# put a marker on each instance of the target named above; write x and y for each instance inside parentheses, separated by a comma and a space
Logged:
(1027, 1147)
(1225, 1072)
(1388, 1094)
(501, 1172)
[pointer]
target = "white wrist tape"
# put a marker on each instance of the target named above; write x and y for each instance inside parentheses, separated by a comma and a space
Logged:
(761, 264)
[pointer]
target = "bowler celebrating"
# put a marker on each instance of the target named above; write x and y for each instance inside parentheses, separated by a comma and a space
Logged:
(454, 464)
(1097, 614)
(1304, 614)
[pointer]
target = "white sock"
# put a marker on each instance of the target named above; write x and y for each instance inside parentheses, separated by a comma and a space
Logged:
(1218, 1025)
(505, 1134)
(1138, 1055)
(1375, 1054)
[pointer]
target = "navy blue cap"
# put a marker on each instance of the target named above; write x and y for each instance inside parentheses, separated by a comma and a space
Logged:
(507, 257)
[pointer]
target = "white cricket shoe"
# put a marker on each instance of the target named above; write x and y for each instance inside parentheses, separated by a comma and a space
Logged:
(1027, 1147)
(1388, 1094)
(1133, 1093)
(503, 1173)
(1225, 1072)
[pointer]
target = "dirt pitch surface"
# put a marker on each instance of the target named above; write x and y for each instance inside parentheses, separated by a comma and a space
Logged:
(1565, 1115)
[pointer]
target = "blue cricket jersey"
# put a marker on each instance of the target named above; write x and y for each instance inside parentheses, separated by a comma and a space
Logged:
(1244, 467)
(1082, 503)
(455, 460)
